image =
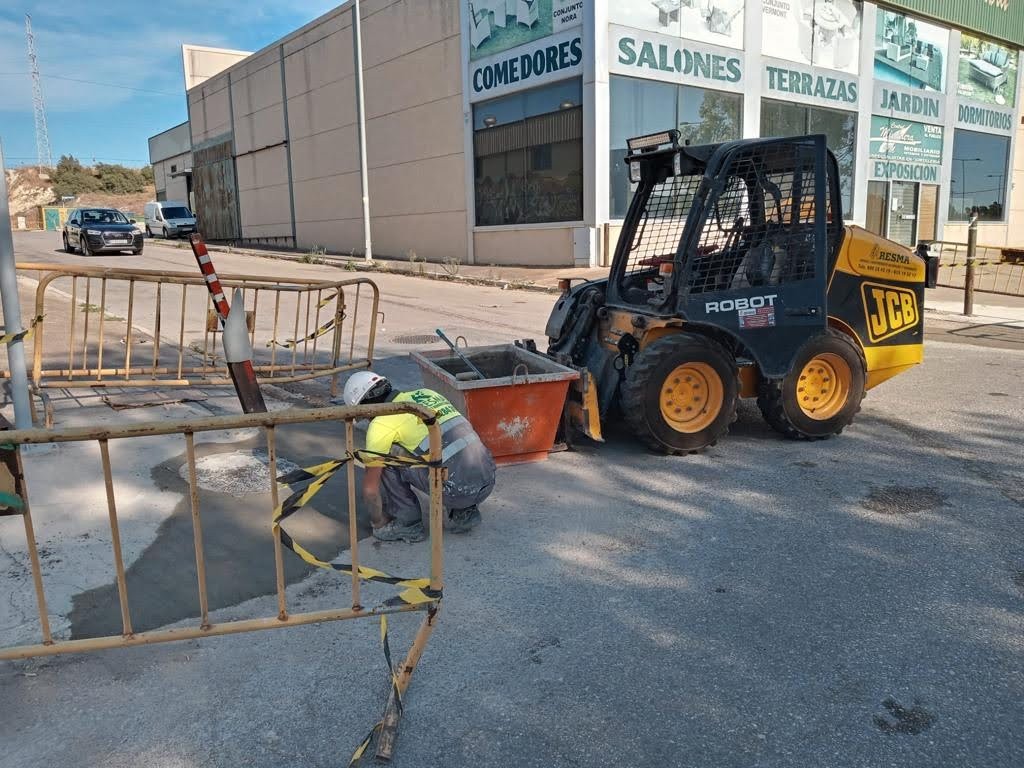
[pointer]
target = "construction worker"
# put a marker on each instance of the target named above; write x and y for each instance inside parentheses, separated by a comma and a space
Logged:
(391, 491)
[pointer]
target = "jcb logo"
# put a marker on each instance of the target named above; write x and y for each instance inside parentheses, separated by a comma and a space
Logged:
(888, 310)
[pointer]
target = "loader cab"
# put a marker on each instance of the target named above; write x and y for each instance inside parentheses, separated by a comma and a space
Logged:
(729, 236)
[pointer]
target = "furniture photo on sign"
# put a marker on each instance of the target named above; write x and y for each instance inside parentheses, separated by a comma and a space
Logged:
(479, 26)
(528, 12)
(990, 69)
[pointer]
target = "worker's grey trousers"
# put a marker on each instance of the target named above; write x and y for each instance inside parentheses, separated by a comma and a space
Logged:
(470, 481)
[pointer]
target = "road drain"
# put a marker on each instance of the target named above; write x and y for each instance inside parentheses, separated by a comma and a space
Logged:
(423, 338)
(903, 500)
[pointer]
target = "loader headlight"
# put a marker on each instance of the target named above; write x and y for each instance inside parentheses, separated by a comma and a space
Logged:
(634, 172)
(677, 164)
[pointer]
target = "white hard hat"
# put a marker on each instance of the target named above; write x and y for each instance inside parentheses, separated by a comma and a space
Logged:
(359, 384)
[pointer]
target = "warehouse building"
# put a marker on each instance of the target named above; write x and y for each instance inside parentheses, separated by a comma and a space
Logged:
(496, 129)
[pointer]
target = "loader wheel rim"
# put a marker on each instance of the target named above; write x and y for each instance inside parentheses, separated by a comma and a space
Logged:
(691, 397)
(823, 389)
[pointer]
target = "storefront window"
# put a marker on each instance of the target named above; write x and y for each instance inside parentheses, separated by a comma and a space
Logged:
(529, 156)
(780, 118)
(640, 107)
(979, 175)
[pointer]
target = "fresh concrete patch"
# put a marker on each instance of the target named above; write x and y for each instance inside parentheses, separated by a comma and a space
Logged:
(239, 473)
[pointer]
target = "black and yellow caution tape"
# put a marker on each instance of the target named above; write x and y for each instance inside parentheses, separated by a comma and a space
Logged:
(357, 756)
(10, 338)
(327, 300)
(416, 591)
(325, 328)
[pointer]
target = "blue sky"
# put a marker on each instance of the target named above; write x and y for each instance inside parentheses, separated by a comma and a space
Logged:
(125, 44)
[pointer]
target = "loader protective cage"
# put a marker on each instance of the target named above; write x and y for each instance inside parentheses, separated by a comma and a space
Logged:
(737, 238)
(421, 594)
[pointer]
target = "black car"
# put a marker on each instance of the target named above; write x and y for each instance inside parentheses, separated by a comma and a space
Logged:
(98, 230)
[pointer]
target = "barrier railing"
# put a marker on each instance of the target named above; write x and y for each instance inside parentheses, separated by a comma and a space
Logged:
(994, 271)
(419, 595)
(116, 327)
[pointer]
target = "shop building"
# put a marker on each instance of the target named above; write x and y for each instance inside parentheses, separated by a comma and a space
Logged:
(496, 129)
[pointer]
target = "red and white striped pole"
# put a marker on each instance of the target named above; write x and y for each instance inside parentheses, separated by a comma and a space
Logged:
(243, 375)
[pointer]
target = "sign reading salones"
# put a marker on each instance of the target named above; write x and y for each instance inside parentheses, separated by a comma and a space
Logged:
(793, 80)
(905, 150)
(553, 58)
(651, 55)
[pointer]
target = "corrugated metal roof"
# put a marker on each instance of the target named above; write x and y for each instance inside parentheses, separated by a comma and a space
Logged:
(999, 19)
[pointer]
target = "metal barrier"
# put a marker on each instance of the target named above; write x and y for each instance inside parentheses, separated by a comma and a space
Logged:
(297, 327)
(993, 271)
(15, 501)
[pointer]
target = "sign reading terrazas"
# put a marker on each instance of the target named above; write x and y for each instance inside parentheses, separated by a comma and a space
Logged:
(552, 58)
(650, 55)
(795, 81)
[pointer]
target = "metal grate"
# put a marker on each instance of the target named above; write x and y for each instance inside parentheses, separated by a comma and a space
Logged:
(760, 229)
(657, 236)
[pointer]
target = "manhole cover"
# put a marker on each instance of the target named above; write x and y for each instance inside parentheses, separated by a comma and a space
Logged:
(903, 500)
(237, 473)
(416, 338)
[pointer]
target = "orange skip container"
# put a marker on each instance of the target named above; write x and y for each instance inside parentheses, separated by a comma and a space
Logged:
(516, 409)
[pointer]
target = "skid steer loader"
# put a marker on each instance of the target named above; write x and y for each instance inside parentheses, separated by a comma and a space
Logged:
(734, 276)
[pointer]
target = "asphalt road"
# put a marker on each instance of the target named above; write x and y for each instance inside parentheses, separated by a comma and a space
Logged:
(857, 602)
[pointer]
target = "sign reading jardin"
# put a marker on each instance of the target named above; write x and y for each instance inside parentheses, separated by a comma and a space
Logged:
(801, 82)
(553, 58)
(656, 56)
(894, 101)
(905, 150)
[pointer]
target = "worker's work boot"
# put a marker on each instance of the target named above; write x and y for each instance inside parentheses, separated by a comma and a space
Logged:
(395, 531)
(463, 520)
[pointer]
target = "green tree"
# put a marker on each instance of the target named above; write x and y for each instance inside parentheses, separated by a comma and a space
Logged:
(70, 177)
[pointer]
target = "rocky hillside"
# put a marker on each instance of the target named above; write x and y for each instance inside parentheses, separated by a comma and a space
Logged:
(27, 191)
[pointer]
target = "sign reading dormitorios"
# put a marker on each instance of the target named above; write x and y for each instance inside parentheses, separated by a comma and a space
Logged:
(554, 58)
(654, 56)
(985, 118)
(905, 150)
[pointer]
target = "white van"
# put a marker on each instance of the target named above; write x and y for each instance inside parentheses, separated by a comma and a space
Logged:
(169, 218)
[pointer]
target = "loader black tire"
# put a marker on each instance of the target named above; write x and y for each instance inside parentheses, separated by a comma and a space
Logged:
(680, 393)
(832, 361)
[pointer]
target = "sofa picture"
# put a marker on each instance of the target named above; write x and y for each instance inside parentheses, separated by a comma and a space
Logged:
(990, 68)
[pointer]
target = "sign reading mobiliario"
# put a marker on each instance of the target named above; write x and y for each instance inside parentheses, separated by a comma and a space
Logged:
(905, 150)
(659, 57)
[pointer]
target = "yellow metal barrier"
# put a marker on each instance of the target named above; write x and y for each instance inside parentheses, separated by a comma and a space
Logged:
(117, 332)
(15, 502)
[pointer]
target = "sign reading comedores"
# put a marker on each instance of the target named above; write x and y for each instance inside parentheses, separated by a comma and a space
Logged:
(553, 58)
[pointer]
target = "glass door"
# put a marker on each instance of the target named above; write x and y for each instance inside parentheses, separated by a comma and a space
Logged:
(903, 212)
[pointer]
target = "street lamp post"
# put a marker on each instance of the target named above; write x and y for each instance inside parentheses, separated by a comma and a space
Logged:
(357, 47)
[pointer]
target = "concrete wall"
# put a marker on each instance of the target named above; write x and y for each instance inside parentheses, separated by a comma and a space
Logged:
(291, 111)
(170, 185)
(201, 63)
(172, 142)
(534, 246)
